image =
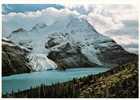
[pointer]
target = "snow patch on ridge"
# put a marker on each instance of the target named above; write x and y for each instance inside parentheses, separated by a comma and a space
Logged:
(91, 53)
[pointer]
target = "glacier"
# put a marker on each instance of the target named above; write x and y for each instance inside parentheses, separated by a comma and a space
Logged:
(40, 62)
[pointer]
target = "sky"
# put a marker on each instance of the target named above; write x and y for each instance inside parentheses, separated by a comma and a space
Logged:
(7, 8)
(119, 22)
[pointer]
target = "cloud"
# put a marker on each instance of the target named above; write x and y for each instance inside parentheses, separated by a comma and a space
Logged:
(27, 20)
(119, 22)
(8, 8)
(127, 35)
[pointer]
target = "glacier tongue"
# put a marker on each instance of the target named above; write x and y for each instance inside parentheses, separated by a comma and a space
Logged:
(40, 62)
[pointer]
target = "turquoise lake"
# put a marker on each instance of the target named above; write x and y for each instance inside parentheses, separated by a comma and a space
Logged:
(25, 81)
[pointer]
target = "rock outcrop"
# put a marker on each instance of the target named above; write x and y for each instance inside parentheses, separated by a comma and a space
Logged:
(66, 51)
(14, 59)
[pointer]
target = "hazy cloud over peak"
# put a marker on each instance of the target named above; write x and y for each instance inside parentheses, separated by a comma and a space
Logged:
(119, 22)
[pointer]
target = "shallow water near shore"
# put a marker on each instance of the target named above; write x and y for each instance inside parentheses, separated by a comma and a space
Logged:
(28, 80)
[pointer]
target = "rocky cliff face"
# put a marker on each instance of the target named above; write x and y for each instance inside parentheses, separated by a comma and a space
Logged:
(69, 56)
(103, 51)
(14, 59)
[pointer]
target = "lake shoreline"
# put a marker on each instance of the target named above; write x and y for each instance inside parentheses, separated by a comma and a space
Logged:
(123, 79)
(37, 78)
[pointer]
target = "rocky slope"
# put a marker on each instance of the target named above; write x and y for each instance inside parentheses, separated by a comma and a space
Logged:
(66, 51)
(118, 82)
(14, 59)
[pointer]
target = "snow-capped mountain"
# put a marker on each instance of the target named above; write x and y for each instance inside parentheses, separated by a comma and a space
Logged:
(71, 42)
